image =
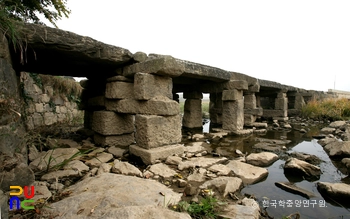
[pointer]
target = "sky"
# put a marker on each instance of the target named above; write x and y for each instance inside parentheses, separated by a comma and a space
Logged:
(302, 43)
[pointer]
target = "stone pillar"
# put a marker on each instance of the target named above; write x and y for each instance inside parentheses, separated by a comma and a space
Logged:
(281, 105)
(157, 120)
(252, 109)
(233, 105)
(193, 110)
(299, 101)
(215, 108)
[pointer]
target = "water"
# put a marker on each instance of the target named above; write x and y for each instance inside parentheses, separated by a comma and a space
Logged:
(267, 191)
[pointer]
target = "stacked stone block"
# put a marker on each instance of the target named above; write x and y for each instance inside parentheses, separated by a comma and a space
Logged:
(281, 105)
(251, 109)
(233, 105)
(140, 111)
(215, 108)
(44, 107)
(193, 110)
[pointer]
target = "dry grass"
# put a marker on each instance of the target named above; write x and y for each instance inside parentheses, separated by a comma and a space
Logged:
(332, 109)
(64, 86)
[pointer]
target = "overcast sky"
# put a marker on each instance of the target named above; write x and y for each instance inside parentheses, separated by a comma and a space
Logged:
(303, 43)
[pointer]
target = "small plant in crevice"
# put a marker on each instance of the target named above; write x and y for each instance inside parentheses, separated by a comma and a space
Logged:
(208, 207)
(52, 106)
(37, 80)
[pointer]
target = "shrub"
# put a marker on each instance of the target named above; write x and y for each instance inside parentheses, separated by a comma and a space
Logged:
(332, 109)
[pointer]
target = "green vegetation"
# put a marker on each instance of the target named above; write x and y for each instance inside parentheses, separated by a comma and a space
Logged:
(332, 109)
(205, 107)
(208, 207)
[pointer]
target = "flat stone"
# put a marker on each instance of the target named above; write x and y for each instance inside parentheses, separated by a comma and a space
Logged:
(104, 168)
(76, 165)
(290, 187)
(302, 168)
(162, 170)
(200, 162)
(41, 191)
(101, 158)
(156, 106)
(117, 152)
(225, 185)
(150, 156)
(262, 159)
(248, 173)
(240, 212)
(60, 175)
(338, 148)
(125, 168)
(310, 158)
(323, 142)
(267, 147)
(173, 160)
(337, 191)
(52, 158)
(108, 192)
(162, 65)
(220, 169)
(195, 147)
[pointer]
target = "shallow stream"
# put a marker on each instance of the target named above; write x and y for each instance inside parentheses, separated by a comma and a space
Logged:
(266, 193)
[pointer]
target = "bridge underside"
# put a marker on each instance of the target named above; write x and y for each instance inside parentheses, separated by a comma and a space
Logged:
(130, 99)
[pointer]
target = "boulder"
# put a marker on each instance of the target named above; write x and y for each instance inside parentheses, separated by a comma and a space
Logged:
(323, 142)
(337, 191)
(126, 168)
(338, 148)
(302, 168)
(327, 130)
(220, 169)
(337, 124)
(310, 158)
(108, 193)
(173, 160)
(224, 185)
(248, 173)
(262, 159)
(249, 209)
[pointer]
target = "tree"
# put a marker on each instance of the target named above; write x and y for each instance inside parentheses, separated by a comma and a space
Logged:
(29, 11)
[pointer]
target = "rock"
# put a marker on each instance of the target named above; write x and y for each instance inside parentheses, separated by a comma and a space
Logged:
(200, 162)
(4, 206)
(56, 186)
(327, 130)
(60, 175)
(220, 169)
(270, 145)
(290, 187)
(337, 191)
(181, 183)
(337, 124)
(248, 173)
(41, 191)
(196, 147)
(240, 211)
(52, 158)
(302, 168)
(33, 153)
(262, 159)
(76, 165)
(67, 143)
(18, 174)
(104, 168)
(346, 162)
(323, 142)
(109, 192)
(239, 153)
(190, 190)
(117, 152)
(321, 136)
(338, 148)
(101, 158)
(126, 169)
(197, 177)
(224, 185)
(173, 160)
(312, 159)
(302, 131)
(162, 170)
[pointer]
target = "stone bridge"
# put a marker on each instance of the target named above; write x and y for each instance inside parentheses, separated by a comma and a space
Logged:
(130, 100)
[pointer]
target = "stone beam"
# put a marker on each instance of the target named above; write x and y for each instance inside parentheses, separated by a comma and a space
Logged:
(55, 51)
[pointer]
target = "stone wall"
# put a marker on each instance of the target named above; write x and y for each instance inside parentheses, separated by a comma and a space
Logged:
(45, 105)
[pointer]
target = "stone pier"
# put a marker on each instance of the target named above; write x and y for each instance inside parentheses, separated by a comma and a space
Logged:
(233, 105)
(192, 110)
